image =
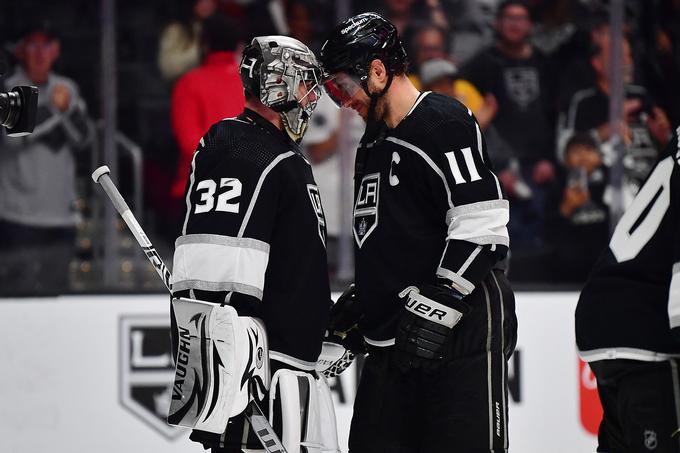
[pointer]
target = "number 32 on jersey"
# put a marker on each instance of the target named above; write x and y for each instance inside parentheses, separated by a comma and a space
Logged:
(230, 188)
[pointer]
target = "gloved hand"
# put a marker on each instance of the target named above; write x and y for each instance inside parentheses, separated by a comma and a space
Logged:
(425, 326)
(343, 324)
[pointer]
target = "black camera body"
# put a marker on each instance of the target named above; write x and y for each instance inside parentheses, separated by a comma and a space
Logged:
(18, 108)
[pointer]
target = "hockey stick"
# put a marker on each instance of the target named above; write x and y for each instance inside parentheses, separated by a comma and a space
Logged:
(263, 429)
(101, 177)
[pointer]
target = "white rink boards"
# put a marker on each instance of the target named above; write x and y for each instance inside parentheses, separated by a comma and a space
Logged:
(91, 373)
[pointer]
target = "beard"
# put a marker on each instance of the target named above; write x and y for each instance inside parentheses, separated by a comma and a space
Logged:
(378, 113)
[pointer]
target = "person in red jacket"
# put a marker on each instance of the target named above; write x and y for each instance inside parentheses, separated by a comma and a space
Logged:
(207, 94)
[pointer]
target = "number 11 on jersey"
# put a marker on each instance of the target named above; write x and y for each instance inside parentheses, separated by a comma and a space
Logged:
(469, 163)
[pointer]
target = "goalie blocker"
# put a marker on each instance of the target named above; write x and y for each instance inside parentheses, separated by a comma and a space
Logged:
(222, 363)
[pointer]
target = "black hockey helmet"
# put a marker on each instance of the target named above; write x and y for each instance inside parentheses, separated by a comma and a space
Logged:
(250, 69)
(353, 44)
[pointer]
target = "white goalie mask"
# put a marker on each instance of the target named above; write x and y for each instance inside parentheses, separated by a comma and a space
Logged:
(285, 75)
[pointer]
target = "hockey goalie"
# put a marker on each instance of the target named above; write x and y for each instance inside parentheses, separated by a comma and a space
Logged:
(250, 281)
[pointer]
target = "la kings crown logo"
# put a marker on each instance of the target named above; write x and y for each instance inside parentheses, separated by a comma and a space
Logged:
(366, 208)
(147, 370)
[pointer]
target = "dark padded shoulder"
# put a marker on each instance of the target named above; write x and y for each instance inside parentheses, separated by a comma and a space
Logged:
(245, 140)
(437, 118)
(436, 109)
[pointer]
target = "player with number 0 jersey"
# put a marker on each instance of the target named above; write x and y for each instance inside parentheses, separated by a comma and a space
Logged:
(628, 318)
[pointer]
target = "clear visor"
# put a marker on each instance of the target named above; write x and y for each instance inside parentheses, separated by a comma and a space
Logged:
(341, 88)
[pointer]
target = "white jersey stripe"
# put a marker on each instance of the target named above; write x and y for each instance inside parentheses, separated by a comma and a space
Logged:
(504, 363)
(479, 141)
(191, 186)
(461, 284)
(643, 355)
(220, 263)
(470, 259)
(429, 161)
(674, 297)
(420, 98)
(498, 186)
(253, 200)
(676, 391)
(219, 239)
(488, 365)
(484, 222)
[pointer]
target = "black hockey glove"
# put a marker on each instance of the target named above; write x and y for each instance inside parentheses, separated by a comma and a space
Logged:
(425, 326)
(343, 324)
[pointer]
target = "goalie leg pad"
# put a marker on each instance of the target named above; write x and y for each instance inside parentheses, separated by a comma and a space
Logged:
(302, 407)
(219, 357)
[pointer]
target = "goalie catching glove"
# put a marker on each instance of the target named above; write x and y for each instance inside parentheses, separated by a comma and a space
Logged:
(425, 327)
(342, 340)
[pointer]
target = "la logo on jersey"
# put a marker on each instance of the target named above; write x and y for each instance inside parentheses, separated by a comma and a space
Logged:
(366, 208)
(318, 210)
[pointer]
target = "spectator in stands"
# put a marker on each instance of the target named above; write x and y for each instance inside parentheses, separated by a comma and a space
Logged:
(662, 71)
(471, 27)
(426, 41)
(38, 175)
(298, 17)
(404, 13)
(646, 127)
(556, 23)
(441, 76)
(580, 223)
(572, 56)
(179, 46)
(438, 75)
(206, 94)
(518, 76)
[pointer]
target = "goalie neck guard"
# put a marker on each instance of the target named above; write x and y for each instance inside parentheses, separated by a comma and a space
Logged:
(272, 69)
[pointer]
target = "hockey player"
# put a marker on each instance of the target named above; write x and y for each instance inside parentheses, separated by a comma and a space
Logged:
(253, 237)
(628, 319)
(429, 229)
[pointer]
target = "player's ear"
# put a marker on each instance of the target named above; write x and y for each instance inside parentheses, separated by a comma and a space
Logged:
(378, 68)
(379, 72)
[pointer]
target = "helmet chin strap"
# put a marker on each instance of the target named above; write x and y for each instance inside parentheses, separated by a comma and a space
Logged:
(371, 123)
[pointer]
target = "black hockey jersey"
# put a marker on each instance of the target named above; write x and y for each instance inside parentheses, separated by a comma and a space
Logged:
(632, 298)
(427, 204)
(254, 229)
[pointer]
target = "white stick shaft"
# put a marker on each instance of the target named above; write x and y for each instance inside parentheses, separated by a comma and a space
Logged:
(123, 209)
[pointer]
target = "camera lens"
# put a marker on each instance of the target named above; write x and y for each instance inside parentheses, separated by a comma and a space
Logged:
(10, 108)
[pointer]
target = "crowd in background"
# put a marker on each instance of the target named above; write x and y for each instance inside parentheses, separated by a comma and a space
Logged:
(535, 73)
